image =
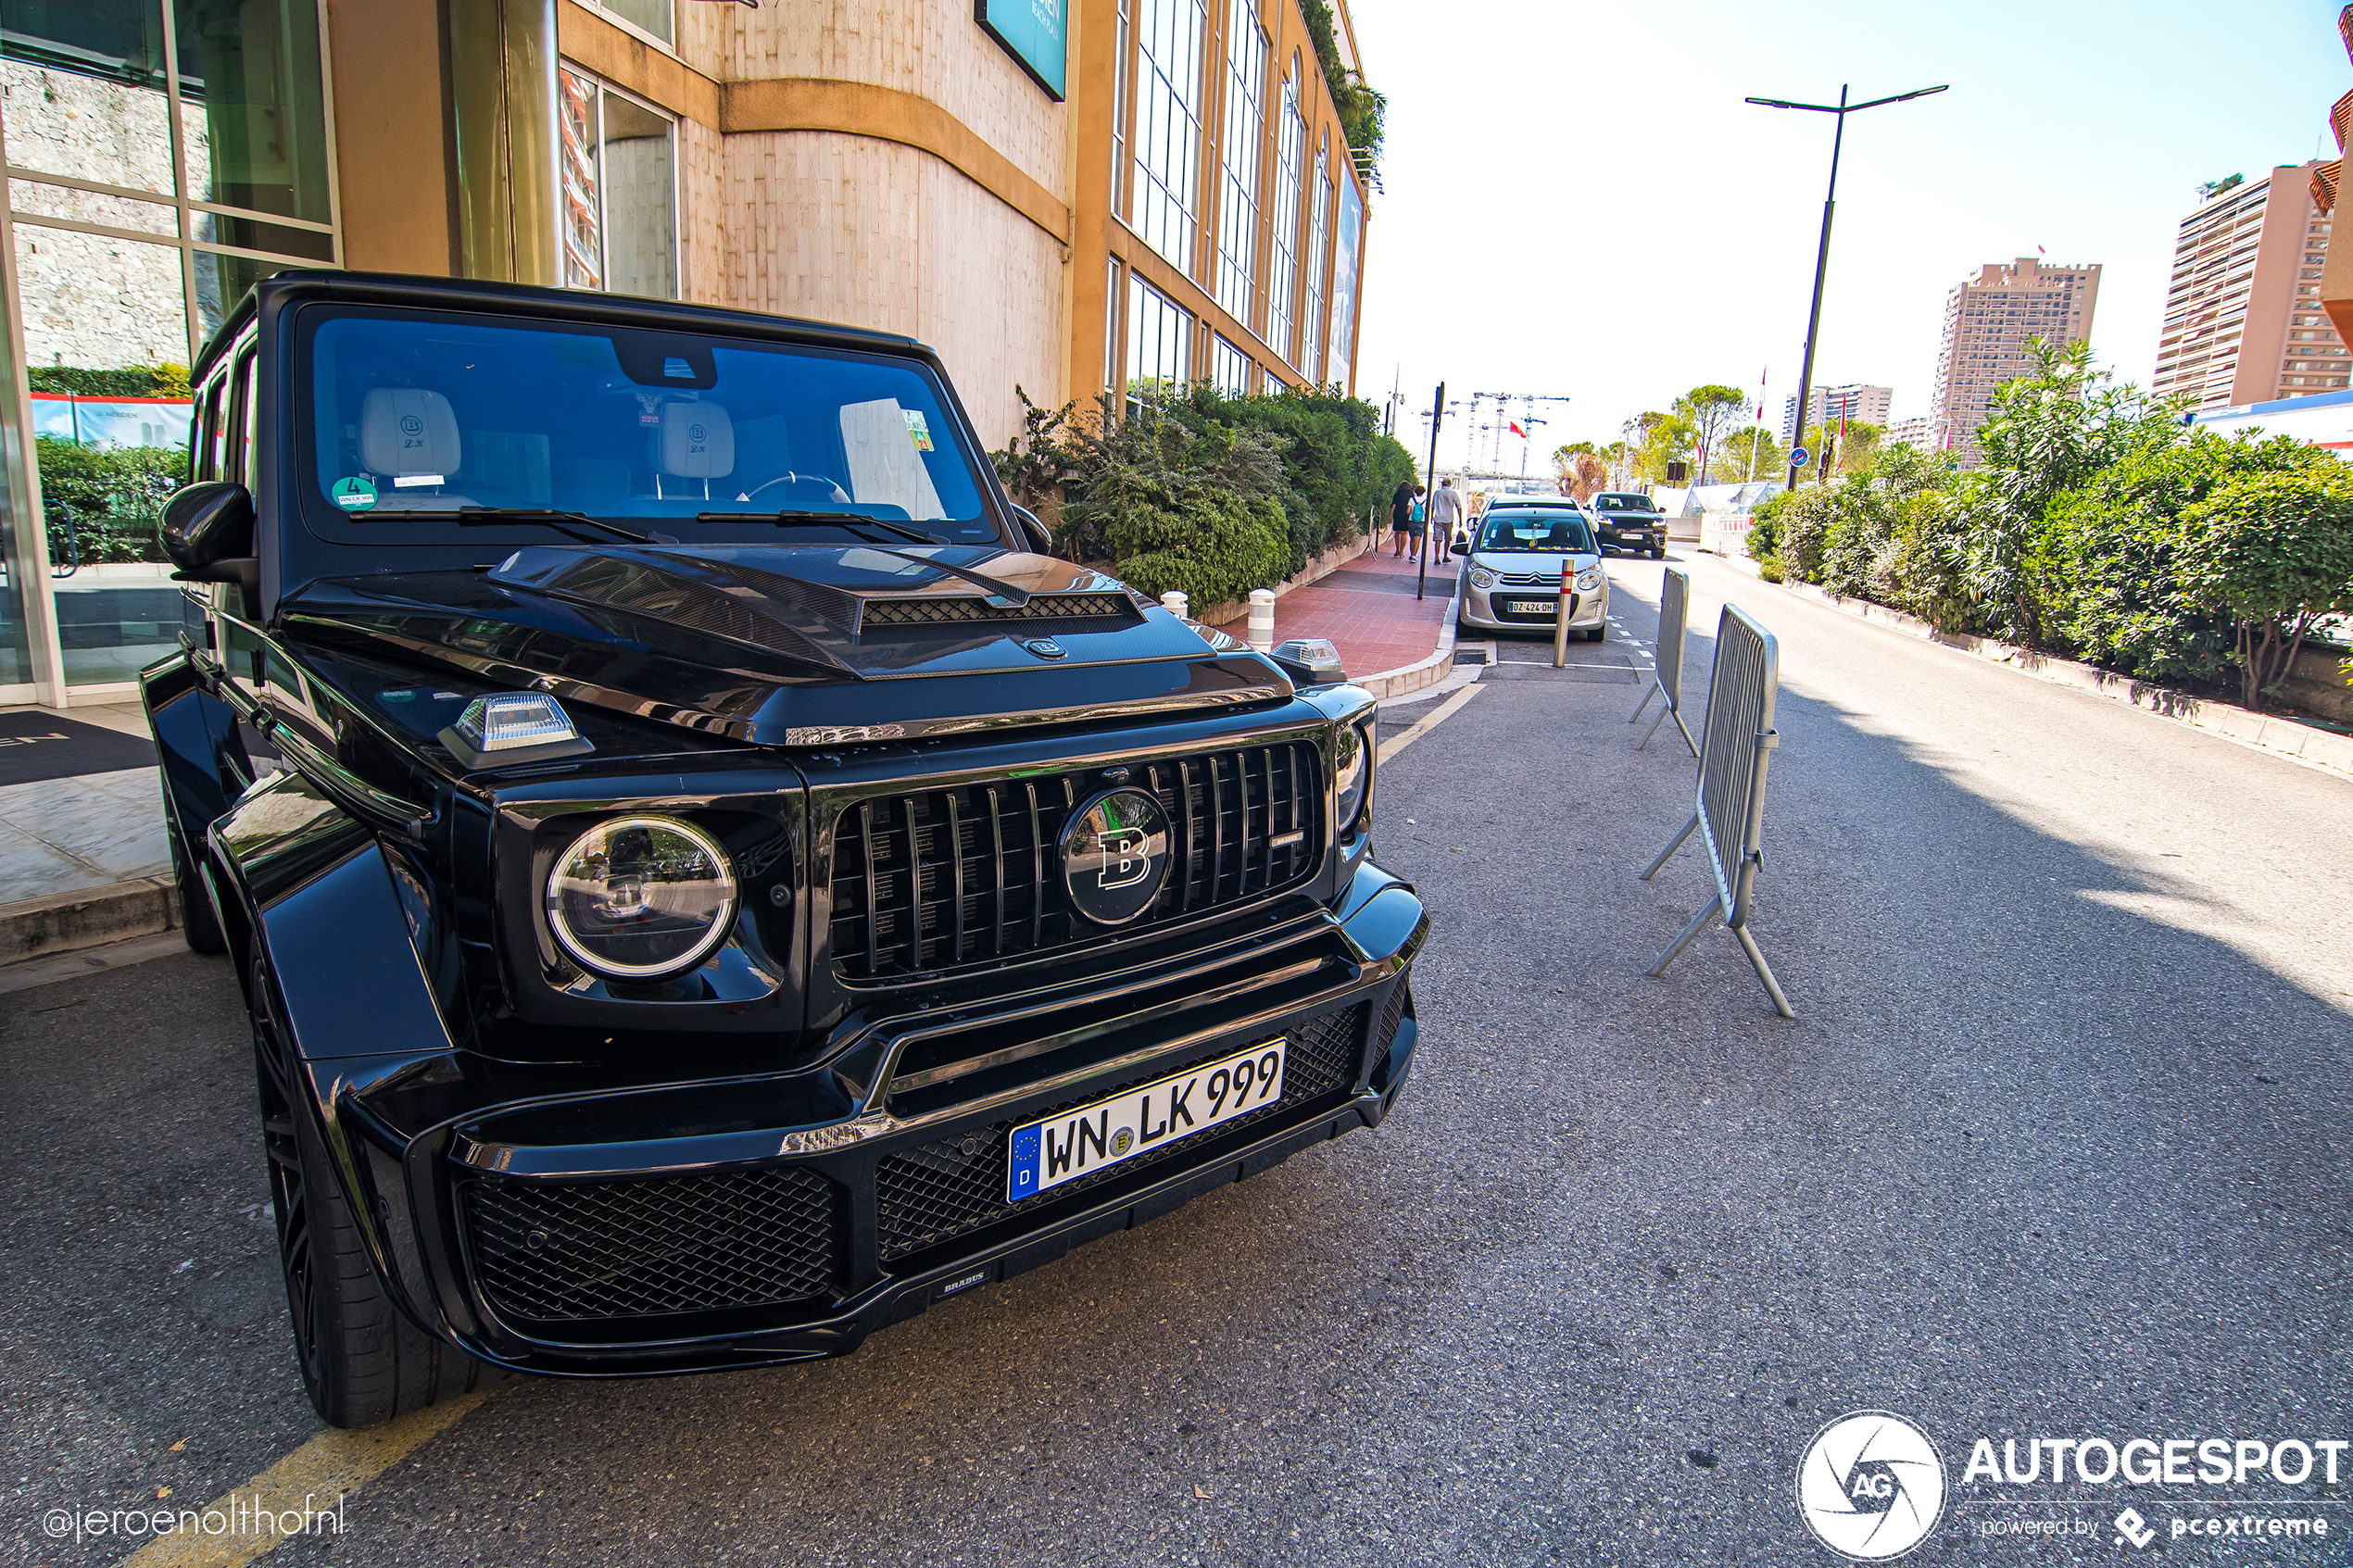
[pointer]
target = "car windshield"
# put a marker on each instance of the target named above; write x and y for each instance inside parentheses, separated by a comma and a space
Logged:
(1553, 530)
(1622, 504)
(420, 414)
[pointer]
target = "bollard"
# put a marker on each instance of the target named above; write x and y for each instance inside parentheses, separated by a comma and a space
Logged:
(1262, 620)
(1560, 621)
(1173, 603)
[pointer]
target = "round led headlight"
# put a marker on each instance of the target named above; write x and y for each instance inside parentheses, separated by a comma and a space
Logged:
(1482, 578)
(1353, 761)
(1589, 579)
(640, 897)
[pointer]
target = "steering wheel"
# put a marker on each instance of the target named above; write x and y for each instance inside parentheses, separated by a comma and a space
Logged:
(839, 494)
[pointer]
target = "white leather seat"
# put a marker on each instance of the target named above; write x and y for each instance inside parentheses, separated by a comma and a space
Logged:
(697, 442)
(411, 432)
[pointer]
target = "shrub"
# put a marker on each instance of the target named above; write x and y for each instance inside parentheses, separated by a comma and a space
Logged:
(103, 504)
(2274, 551)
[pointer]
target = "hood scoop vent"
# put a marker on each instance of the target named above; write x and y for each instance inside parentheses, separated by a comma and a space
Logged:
(929, 610)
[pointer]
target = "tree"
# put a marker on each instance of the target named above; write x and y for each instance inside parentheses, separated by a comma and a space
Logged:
(1712, 413)
(1752, 452)
(2274, 552)
(1661, 439)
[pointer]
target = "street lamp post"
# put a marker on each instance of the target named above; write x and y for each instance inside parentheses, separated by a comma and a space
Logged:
(1822, 256)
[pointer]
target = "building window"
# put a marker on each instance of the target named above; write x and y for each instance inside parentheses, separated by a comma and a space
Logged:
(1111, 325)
(1119, 81)
(1245, 143)
(1159, 340)
(1168, 126)
(1282, 256)
(649, 16)
(618, 205)
(163, 154)
(1231, 371)
(1311, 353)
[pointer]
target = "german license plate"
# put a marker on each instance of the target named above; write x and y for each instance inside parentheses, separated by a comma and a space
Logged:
(1532, 606)
(1063, 1148)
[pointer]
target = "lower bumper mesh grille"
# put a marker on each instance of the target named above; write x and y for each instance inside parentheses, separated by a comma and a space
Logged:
(682, 1243)
(956, 1184)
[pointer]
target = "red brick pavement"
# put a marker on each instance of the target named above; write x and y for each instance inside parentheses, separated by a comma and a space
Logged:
(1367, 608)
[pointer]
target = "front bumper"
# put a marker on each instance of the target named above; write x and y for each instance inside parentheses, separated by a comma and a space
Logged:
(1650, 537)
(559, 1226)
(1485, 608)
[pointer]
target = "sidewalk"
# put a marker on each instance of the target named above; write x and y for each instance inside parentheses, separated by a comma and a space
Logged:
(84, 859)
(1388, 643)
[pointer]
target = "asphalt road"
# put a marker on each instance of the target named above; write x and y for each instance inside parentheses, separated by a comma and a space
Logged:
(2057, 1146)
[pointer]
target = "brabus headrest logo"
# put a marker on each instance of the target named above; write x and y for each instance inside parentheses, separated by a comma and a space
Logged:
(1870, 1486)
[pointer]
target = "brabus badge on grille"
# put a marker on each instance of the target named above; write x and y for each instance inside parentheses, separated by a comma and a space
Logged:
(1045, 647)
(1115, 855)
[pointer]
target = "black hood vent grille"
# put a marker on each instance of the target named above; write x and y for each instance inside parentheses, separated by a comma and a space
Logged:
(972, 610)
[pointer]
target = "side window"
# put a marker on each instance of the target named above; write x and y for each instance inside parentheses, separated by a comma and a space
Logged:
(209, 433)
(248, 380)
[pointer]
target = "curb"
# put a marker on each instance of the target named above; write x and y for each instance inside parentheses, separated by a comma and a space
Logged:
(64, 922)
(1422, 673)
(2286, 738)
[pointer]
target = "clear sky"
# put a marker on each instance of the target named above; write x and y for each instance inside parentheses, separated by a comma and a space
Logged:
(1578, 202)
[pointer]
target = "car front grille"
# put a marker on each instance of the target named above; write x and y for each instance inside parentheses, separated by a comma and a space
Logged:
(1528, 579)
(956, 1184)
(928, 880)
(552, 1253)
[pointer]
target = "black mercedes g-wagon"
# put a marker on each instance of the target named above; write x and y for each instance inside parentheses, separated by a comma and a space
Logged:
(707, 880)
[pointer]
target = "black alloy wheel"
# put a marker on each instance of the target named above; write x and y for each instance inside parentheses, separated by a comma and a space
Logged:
(362, 1360)
(289, 1183)
(200, 922)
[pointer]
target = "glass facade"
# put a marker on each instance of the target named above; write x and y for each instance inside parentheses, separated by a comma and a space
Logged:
(1282, 254)
(1231, 371)
(1168, 126)
(161, 156)
(1160, 339)
(1244, 141)
(618, 203)
(1311, 349)
(1351, 245)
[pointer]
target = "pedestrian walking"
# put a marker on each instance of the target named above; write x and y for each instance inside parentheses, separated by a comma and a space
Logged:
(1420, 530)
(1445, 516)
(1401, 512)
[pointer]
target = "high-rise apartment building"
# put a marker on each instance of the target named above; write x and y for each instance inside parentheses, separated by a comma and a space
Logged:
(1919, 432)
(1987, 322)
(1828, 405)
(2243, 316)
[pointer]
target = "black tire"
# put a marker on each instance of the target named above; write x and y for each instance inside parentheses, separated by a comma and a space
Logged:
(362, 1361)
(1658, 552)
(200, 922)
(1597, 634)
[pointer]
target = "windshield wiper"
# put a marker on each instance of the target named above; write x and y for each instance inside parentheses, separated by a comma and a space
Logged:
(546, 517)
(849, 522)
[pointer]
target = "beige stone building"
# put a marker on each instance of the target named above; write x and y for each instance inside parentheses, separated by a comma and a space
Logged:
(1064, 197)
(1988, 319)
(2244, 322)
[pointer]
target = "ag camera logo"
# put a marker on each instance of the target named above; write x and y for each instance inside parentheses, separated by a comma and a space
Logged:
(1871, 1486)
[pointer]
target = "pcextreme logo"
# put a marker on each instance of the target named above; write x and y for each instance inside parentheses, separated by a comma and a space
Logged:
(1870, 1486)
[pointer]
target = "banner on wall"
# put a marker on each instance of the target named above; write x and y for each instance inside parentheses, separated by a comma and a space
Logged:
(1033, 31)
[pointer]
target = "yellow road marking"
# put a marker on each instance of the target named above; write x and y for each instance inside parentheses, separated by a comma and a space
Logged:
(251, 1517)
(1396, 743)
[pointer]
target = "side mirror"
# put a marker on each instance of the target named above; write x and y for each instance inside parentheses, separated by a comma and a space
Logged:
(1034, 530)
(207, 524)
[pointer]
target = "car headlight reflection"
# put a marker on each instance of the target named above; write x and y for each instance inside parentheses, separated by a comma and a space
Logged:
(640, 897)
(1353, 759)
(1589, 579)
(1482, 577)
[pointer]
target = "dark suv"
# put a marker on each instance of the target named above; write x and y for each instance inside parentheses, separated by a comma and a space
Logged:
(1627, 519)
(708, 883)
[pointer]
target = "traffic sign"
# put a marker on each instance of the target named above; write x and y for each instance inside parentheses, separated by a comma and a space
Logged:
(1799, 457)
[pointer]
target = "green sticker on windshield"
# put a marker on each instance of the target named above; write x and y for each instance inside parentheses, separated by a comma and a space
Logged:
(355, 494)
(918, 429)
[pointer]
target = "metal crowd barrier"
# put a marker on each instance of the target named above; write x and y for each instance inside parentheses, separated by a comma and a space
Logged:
(1730, 811)
(1666, 681)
